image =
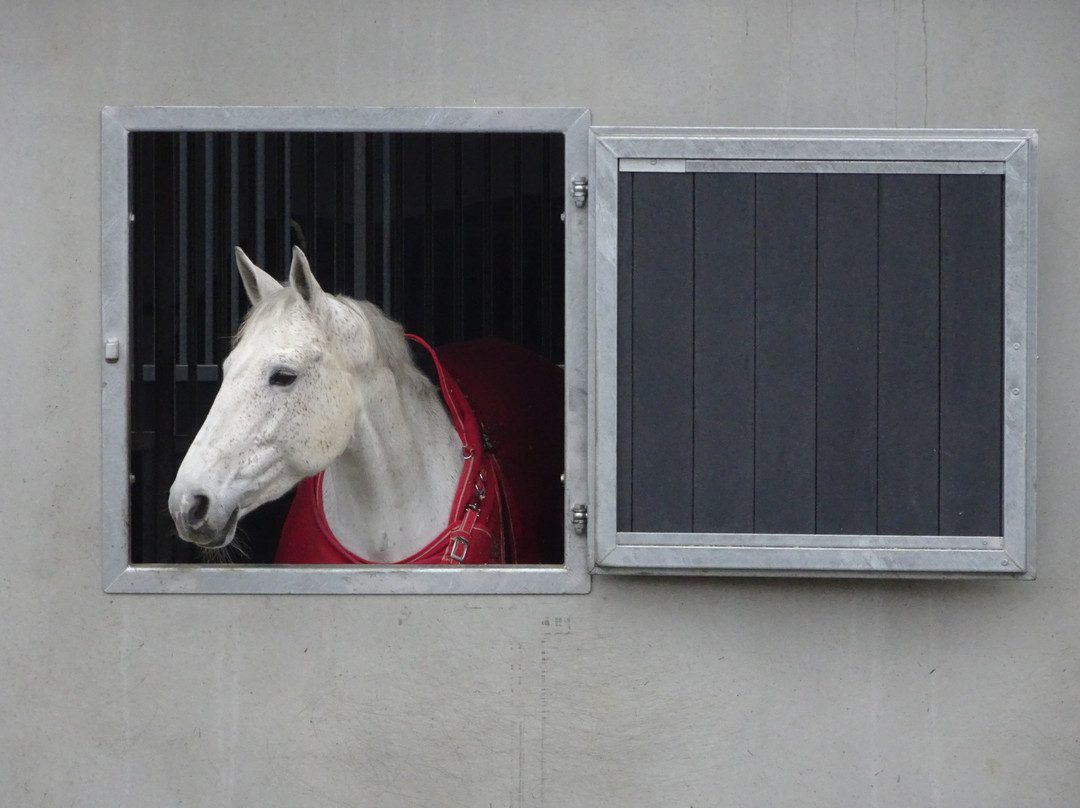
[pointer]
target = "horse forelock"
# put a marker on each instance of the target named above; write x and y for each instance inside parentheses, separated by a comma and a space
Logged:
(266, 312)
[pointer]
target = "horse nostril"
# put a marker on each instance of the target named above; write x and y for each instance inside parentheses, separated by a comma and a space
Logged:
(200, 506)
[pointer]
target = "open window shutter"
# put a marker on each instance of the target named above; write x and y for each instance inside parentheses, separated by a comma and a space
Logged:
(822, 351)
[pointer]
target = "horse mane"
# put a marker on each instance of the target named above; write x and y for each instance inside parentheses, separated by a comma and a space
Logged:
(391, 347)
(388, 335)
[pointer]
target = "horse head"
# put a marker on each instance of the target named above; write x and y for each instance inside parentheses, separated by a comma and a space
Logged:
(286, 408)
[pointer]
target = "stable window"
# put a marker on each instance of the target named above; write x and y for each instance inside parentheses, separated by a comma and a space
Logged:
(458, 222)
(786, 352)
(815, 352)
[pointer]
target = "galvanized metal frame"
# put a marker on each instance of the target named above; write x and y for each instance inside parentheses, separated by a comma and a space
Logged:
(118, 573)
(1011, 153)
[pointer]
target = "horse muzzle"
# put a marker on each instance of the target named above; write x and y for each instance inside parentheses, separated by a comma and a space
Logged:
(201, 521)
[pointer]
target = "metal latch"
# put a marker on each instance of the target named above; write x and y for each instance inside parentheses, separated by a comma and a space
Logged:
(112, 350)
(580, 518)
(579, 190)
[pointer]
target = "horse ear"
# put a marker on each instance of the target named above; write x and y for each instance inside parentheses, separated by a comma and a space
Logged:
(257, 282)
(302, 279)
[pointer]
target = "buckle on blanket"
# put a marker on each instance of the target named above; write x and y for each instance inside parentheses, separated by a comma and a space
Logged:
(459, 546)
(479, 493)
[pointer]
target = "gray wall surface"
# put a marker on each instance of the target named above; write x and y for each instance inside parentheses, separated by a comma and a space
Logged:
(643, 693)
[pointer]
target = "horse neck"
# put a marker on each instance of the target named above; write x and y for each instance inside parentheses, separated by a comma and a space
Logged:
(391, 491)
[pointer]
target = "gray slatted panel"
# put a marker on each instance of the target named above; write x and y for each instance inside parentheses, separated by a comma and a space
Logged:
(662, 471)
(847, 322)
(784, 475)
(724, 353)
(908, 354)
(971, 359)
(874, 320)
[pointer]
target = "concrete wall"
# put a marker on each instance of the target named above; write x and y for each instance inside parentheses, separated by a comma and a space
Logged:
(644, 693)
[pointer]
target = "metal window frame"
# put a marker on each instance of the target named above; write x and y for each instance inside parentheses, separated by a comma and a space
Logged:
(119, 575)
(1011, 153)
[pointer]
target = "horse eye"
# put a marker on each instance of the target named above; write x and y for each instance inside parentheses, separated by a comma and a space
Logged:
(282, 378)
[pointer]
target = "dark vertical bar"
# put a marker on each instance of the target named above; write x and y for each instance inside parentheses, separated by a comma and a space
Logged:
(547, 299)
(234, 231)
(285, 237)
(219, 261)
(209, 209)
(143, 154)
(166, 238)
(444, 291)
(785, 355)
(457, 245)
(260, 199)
(430, 271)
(308, 218)
(556, 213)
(502, 183)
(182, 258)
(475, 238)
(847, 354)
(151, 402)
(336, 173)
(530, 251)
(338, 212)
(360, 216)
(972, 268)
(624, 445)
(411, 232)
(663, 353)
(517, 263)
(724, 353)
(388, 179)
(908, 361)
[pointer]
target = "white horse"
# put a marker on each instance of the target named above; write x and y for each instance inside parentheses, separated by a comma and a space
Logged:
(320, 382)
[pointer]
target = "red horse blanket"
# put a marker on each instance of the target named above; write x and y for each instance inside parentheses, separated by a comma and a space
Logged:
(507, 406)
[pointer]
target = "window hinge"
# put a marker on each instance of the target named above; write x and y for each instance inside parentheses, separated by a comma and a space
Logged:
(579, 189)
(580, 519)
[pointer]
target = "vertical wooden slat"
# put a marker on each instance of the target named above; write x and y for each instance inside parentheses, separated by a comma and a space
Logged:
(908, 354)
(624, 445)
(785, 354)
(724, 353)
(847, 322)
(663, 352)
(971, 355)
